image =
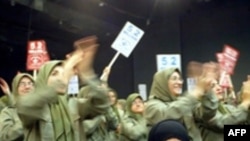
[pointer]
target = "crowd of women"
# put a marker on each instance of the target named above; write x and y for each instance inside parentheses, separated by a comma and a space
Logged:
(40, 109)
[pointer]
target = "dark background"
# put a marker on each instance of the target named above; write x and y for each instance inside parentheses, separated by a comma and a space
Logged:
(196, 29)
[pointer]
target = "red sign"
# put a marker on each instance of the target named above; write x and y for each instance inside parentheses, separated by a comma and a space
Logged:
(230, 57)
(225, 81)
(37, 54)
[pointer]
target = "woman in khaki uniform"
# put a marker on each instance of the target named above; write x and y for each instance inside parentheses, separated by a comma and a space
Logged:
(102, 127)
(45, 113)
(11, 128)
(226, 114)
(119, 113)
(166, 101)
(99, 127)
(133, 127)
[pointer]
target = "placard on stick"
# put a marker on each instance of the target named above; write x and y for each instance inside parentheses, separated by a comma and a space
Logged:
(127, 39)
(37, 54)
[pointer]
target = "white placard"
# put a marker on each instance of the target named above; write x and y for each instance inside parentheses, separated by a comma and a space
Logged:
(142, 88)
(127, 39)
(165, 61)
(73, 86)
(191, 82)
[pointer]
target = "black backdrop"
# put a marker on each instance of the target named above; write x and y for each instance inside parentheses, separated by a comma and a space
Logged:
(197, 34)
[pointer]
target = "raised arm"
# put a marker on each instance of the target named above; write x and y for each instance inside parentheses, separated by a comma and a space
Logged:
(31, 107)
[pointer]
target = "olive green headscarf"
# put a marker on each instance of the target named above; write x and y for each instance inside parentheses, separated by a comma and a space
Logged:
(159, 88)
(10, 100)
(131, 98)
(17, 79)
(61, 119)
(114, 106)
(115, 93)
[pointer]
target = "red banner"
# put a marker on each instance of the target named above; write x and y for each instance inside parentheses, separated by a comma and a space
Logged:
(37, 54)
(230, 57)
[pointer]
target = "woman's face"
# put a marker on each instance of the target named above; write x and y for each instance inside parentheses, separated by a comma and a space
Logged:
(137, 106)
(175, 84)
(25, 86)
(112, 97)
(55, 75)
(217, 90)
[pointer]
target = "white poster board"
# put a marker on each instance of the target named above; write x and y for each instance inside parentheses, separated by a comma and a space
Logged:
(165, 61)
(191, 83)
(127, 39)
(142, 88)
(73, 86)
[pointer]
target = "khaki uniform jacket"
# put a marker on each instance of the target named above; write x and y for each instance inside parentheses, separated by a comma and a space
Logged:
(213, 130)
(98, 128)
(133, 130)
(34, 111)
(134, 125)
(41, 124)
(11, 128)
(188, 110)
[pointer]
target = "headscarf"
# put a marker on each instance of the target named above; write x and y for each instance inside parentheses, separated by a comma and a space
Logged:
(16, 81)
(159, 88)
(61, 119)
(115, 93)
(114, 108)
(10, 99)
(168, 129)
(131, 98)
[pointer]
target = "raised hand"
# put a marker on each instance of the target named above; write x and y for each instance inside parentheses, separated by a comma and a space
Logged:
(4, 86)
(71, 63)
(246, 91)
(210, 72)
(205, 74)
(194, 69)
(89, 46)
(85, 42)
(85, 67)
